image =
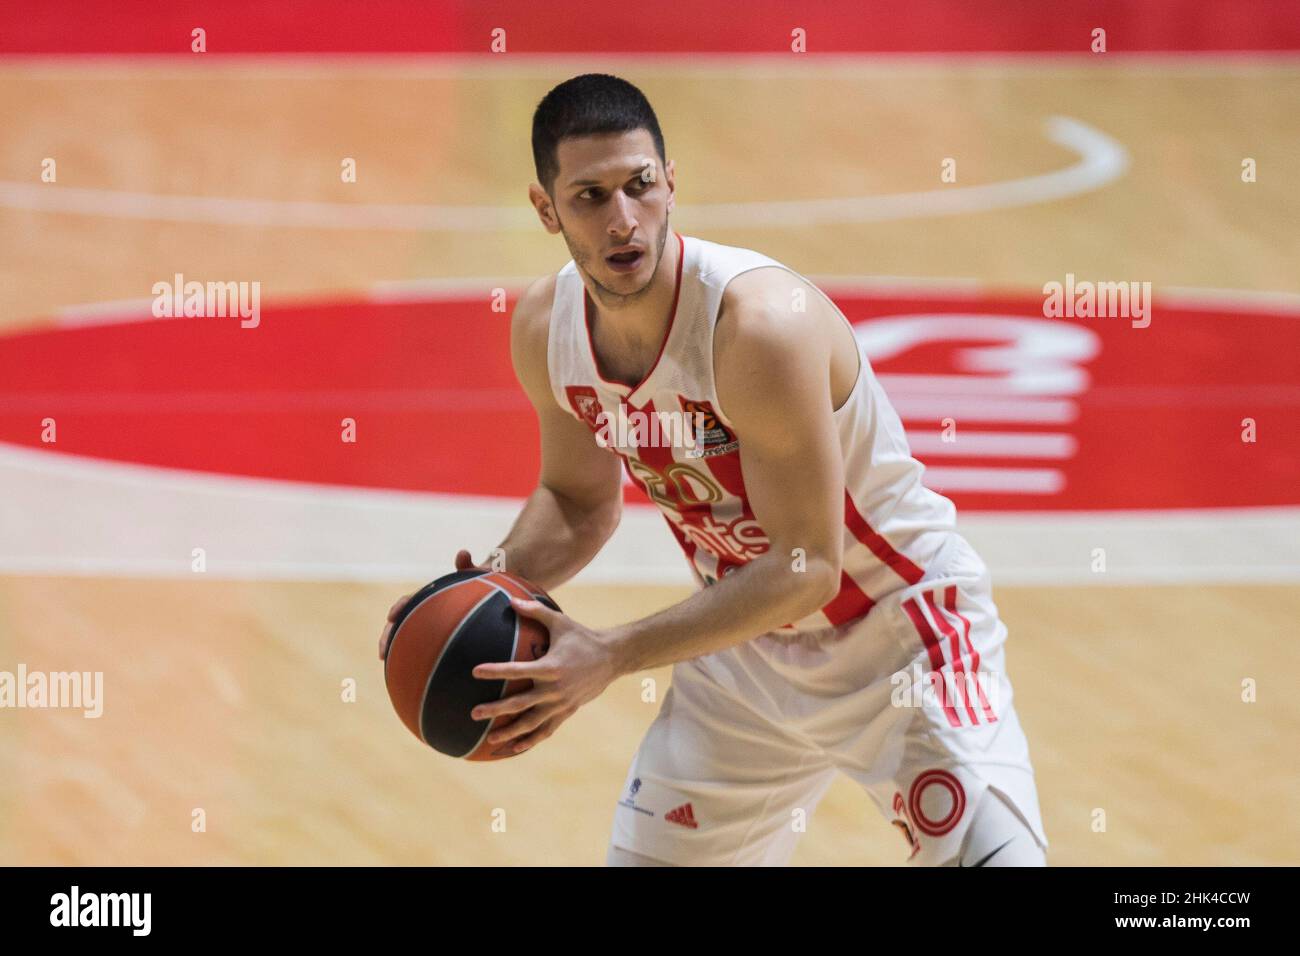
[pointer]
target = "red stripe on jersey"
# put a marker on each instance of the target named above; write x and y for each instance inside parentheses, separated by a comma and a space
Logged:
(936, 654)
(950, 602)
(882, 549)
(688, 546)
(852, 602)
(660, 459)
(958, 667)
(726, 470)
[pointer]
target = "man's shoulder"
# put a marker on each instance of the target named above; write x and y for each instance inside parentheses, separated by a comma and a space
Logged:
(763, 324)
(539, 296)
(769, 300)
(763, 285)
(718, 263)
(767, 312)
(532, 315)
(747, 277)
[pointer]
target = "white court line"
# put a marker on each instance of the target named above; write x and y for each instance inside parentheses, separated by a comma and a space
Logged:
(933, 386)
(973, 444)
(933, 287)
(65, 514)
(106, 313)
(1241, 300)
(1019, 481)
(389, 292)
(422, 290)
(1042, 411)
(1101, 161)
(1204, 297)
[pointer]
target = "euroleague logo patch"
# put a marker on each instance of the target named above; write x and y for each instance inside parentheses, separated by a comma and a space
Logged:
(711, 436)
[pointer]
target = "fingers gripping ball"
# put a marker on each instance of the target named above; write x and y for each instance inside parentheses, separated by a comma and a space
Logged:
(444, 631)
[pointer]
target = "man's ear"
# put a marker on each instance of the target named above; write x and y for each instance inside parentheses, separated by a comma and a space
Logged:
(545, 208)
(669, 174)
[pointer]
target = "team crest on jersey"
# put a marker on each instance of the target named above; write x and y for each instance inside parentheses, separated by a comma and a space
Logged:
(711, 436)
(585, 404)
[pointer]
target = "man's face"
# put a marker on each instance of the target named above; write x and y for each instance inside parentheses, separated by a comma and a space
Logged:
(612, 197)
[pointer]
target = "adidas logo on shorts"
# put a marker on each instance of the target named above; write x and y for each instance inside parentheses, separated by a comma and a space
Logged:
(682, 815)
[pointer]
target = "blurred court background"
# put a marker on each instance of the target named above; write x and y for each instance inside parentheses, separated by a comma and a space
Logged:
(200, 530)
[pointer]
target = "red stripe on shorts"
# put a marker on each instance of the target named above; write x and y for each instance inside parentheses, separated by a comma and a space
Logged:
(936, 653)
(950, 602)
(954, 642)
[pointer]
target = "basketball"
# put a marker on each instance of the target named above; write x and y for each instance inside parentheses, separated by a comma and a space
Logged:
(445, 630)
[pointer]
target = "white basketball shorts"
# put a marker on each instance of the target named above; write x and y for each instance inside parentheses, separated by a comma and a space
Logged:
(912, 701)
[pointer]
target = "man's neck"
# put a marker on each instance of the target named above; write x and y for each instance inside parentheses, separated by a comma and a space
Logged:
(629, 335)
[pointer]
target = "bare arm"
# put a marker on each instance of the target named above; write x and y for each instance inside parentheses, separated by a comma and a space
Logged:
(579, 495)
(771, 370)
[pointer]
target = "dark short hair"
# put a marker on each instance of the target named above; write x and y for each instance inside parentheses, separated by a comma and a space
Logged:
(587, 105)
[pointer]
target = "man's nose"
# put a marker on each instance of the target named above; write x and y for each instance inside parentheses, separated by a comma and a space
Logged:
(624, 218)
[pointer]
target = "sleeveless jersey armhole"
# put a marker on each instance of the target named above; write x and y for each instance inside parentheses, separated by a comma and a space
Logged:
(713, 368)
(555, 345)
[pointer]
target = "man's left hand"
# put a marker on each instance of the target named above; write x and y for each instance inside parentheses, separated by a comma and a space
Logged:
(579, 664)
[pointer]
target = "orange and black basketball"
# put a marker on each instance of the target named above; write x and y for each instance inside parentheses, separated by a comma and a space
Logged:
(446, 629)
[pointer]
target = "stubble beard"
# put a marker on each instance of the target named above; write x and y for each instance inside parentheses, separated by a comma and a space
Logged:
(610, 299)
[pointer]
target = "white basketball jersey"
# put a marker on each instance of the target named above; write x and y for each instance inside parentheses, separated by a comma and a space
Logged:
(893, 525)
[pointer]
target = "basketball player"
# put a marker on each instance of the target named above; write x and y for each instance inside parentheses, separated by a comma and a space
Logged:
(842, 624)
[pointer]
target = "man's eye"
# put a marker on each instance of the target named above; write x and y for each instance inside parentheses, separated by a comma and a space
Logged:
(583, 194)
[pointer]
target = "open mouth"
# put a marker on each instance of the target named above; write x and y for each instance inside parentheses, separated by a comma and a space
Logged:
(624, 261)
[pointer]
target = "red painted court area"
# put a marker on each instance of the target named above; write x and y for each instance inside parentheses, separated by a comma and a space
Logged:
(1046, 413)
(702, 26)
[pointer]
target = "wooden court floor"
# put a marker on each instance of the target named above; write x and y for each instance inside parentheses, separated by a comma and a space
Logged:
(225, 696)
